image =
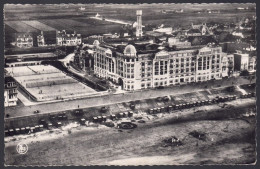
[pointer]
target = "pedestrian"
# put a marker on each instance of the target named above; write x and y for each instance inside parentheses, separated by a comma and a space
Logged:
(78, 106)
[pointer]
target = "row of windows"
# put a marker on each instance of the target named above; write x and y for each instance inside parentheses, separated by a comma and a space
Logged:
(147, 63)
(129, 87)
(182, 54)
(129, 75)
(147, 85)
(10, 84)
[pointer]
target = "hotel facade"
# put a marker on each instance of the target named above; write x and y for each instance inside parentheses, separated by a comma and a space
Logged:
(136, 70)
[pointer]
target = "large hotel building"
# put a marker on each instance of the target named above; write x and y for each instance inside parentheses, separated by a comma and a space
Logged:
(138, 70)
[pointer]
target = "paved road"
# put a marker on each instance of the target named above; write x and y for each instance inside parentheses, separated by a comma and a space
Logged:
(118, 98)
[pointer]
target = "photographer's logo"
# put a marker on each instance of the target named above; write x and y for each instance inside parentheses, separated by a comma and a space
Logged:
(22, 148)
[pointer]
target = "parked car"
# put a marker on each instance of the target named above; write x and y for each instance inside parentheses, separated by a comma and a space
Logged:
(36, 111)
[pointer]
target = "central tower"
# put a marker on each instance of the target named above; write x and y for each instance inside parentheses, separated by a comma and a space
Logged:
(139, 31)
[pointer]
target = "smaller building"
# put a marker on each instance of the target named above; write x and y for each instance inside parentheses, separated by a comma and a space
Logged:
(193, 32)
(24, 40)
(153, 34)
(167, 30)
(252, 64)
(227, 62)
(173, 41)
(10, 92)
(202, 28)
(238, 34)
(100, 38)
(41, 40)
(79, 59)
(65, 39)
(241, 61)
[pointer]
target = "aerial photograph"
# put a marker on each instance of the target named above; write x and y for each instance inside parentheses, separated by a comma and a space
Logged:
(129, 84)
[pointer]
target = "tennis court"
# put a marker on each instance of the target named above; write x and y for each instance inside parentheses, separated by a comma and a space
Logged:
(45, 82)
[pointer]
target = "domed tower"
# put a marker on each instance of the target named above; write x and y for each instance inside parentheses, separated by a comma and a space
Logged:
(130, 51)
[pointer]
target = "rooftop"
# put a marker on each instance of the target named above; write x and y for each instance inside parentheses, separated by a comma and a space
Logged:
(9, 79)
(193, 31)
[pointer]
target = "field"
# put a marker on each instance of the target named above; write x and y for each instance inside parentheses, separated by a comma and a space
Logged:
(82, 26)
(70, 17)
(38, 25)
(70, 24)
(26, 26)
(19, 26)
(48, 83)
